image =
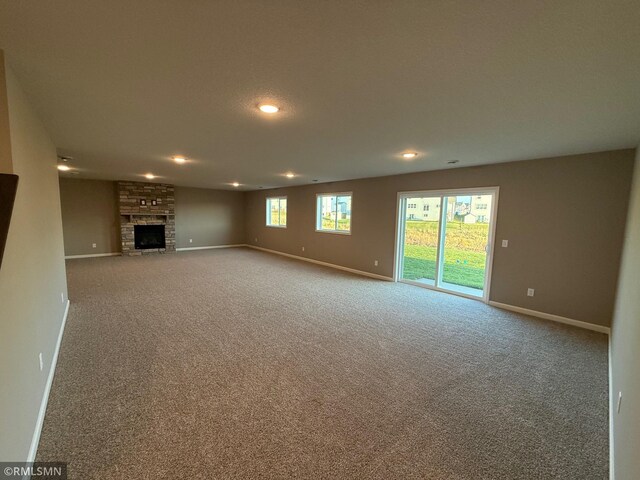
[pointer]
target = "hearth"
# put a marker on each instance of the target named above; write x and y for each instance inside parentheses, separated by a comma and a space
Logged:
(148, 236)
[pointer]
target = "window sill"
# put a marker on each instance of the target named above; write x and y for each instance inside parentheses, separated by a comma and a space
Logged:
(276, 226)
(336, 232)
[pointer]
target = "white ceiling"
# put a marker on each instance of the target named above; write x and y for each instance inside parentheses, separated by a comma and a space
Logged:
(124, 85)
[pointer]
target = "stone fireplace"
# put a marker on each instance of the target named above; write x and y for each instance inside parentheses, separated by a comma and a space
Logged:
(147, 218)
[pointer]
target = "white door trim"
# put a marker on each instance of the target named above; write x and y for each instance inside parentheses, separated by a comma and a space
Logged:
(401, 218)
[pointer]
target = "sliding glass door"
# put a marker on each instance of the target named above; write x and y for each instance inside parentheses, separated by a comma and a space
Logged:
(445, 240)
(421, 239)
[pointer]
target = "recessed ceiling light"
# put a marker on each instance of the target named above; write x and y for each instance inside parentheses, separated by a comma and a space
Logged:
(65, 158)
(289, 175)
(269, 108)
(150, 176)
(63, 168)
(179, 159)
(410, 155)
(235, 184)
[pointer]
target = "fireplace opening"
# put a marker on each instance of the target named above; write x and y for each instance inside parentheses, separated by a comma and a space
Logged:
(148, 236)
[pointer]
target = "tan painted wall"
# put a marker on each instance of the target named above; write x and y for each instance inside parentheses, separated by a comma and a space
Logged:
(625, 347)
(90, 215)
(208, 217)
(5, 137)
(564, 219)
(32, 278)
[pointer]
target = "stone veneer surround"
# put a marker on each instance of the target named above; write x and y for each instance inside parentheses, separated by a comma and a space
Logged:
(132, 213)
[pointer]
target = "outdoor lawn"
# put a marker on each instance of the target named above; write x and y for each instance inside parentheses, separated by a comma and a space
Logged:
(330, 224)
(465, 255)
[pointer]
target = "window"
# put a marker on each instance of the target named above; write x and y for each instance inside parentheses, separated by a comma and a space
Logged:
(277, 212)
(333, 213)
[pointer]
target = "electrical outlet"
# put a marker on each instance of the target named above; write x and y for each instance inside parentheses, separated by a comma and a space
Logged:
(303, 249)
(191, 240)
(41, 362)
(619, 402)
(505, 243)
(256, 239)
(375, 263)
(530, 292)
(93, 245)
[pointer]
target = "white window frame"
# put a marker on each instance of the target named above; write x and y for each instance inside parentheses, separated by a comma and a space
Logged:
(268, 210)
(400, 221)
(319, 228)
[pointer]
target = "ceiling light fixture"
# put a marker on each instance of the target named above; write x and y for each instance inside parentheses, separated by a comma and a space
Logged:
(150, 176)
(235, 184)
(410, 155)
(269, 108)
(179, 159)
(289, 175)
(63, 168)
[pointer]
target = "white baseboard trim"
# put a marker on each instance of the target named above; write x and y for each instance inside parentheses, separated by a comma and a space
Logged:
(186, 249)
(47, 388)
(612, 406)
(325, 264)
(552, 317)
(91, 255)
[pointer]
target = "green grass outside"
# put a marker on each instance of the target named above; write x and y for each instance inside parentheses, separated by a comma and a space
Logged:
(465, 256)
(330, 224)
(275, 217)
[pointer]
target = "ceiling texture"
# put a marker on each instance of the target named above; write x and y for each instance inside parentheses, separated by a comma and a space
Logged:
(122, 86)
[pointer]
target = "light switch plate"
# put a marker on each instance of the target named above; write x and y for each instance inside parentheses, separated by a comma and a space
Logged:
(505, 243)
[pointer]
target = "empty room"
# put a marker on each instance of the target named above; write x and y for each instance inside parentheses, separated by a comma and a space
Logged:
(356, 239)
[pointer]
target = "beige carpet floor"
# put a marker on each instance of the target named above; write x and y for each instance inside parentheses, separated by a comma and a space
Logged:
(242, 364)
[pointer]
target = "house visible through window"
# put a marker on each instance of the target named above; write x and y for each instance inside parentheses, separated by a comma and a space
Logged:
(333, 213)
(277, 212)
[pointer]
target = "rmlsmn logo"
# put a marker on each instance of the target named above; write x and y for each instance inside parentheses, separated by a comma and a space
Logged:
(36, 470)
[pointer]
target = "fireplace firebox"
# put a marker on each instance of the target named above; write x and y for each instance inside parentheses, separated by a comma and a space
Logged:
(149, 236)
